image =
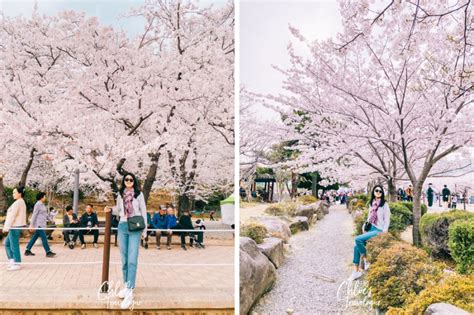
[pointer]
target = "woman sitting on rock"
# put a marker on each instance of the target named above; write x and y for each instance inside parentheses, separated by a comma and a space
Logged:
(377, 222)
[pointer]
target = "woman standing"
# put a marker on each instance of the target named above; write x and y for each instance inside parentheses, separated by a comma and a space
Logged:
(377, 222)
(16, 217)
(131, 229)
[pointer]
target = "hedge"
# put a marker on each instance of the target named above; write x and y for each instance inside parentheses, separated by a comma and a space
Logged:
(400, 273)
(282, 209)
(461, 244)
(307, 199)
(255, 231)
(434, 228)
(455, 289)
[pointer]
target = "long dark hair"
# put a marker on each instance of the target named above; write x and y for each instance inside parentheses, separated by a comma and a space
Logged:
(136, 187)
(372, 196)
(21, 190)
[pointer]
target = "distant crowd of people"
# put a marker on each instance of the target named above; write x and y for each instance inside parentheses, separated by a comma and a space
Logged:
(446, 198)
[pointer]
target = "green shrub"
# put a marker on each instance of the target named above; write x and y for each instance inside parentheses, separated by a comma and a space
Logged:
(401, 272)
(282, 209)
(434, 229)
(378, 243)
(359, 220)
(307, 199)
(363, 197)
(461, 244)
(255, 231)
(409, 205)
(454, 289)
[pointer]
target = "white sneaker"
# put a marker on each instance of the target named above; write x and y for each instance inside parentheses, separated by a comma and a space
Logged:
(123, 293)
(127, 301)
(13, 267)
(11, 262)
(355, 275)
(95, 245)
(83, 246)
(366, 265)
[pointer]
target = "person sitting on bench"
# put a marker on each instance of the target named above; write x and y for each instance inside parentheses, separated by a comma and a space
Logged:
(89, 220)
(70, 220)
(185, 223)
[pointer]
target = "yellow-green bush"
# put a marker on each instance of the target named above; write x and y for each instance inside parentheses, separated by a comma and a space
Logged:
(461, 244)
(359, 220)
(282, 209)
(434, 229)
(455, 289)
(255, 231)
(378, 243)
(399, 273)
(307, 199)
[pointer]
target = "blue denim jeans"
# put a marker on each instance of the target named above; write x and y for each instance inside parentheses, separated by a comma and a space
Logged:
(361, 240)
(129, 243)
(44, 240)
(12, 245)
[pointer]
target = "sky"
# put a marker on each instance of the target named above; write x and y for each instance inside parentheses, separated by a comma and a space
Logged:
(264, 36)
(107, 11)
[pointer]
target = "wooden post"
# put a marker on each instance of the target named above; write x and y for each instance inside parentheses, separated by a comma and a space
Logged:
(106, 256)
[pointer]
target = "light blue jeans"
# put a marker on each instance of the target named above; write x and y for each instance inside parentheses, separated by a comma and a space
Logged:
(129, 243)
(12, 245)
(361, 240)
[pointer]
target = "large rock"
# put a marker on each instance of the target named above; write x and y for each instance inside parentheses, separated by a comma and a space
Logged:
(272, 247)
(325, 206)
(444, 309)
(257, 274)
(299, 224)
(275, 227)
(306, 211)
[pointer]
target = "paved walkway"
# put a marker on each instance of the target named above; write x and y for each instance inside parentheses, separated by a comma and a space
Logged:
(67, 285)
(319, 262)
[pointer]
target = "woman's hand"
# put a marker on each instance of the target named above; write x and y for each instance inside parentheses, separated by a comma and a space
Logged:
(31, 229)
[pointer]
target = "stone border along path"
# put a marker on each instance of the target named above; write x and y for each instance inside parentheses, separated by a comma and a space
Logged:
(320, 260)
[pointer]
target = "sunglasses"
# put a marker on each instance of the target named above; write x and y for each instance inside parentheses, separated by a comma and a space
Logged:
(377, 191)
(130, 180)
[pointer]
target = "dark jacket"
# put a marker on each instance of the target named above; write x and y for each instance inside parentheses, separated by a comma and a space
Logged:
(185, 222)
(92, 218)
(68, 223)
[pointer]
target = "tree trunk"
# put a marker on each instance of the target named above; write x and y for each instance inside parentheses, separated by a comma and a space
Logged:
(314, 184)
(151, 176)
(294, 184)
(3, 197)
(392, 190)
(183, 204)
(416, 213)
(24, 175)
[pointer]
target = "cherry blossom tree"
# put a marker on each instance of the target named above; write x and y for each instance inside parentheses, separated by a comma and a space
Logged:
(394, 88)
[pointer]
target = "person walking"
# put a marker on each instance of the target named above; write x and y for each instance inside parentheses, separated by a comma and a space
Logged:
(131, 208)
(39, 220)
(378, 221)
(430, 195)
(445, 193)
(410, 193)
(16, 218)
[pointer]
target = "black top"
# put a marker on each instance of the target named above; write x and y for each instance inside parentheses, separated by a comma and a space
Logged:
(185, 222)
(68, 223)
(89, 220)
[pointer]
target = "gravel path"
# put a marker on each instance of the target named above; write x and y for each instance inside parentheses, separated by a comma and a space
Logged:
(319, 262)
